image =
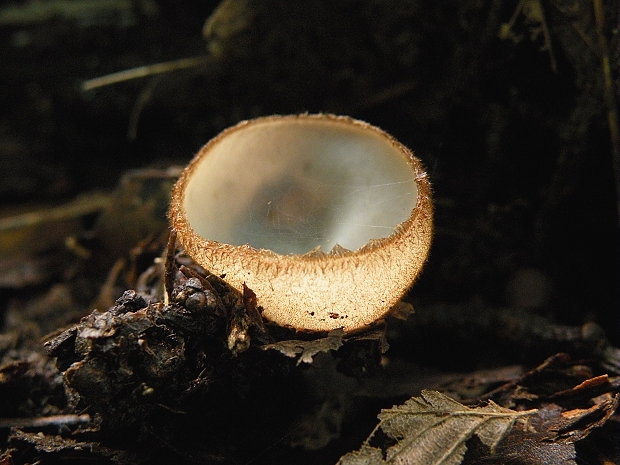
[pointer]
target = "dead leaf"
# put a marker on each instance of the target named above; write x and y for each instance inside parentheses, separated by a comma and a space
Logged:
(308, 349)
(367, 455)
(251, 308)
(550, 435)
(520, 448)
(432, 430)
(587, 389)
(401, 310)
(578, 423)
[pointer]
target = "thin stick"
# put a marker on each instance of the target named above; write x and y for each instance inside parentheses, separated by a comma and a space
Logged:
(143, 71)
(612, 111)
(143, 98)
(40, 422)
(84, 205)
(169, 266)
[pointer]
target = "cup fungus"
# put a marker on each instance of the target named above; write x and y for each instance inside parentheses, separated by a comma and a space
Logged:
(326, 218)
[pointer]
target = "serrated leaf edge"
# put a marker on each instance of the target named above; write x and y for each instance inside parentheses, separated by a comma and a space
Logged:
(443, 415)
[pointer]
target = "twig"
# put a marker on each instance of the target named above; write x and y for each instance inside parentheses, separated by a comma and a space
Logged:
(105, 299)
(144, 71)
(40, 422)
(81, 206)
(136, 111)
(534, 14)
(608, 90)
(169, 266)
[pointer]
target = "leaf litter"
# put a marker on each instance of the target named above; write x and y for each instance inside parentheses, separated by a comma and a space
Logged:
(306, 350)
(434, 429)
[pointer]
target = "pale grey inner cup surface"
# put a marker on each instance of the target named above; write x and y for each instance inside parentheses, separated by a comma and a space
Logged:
(292, 185)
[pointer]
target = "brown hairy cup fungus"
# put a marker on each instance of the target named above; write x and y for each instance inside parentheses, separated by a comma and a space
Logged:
(326, 218)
